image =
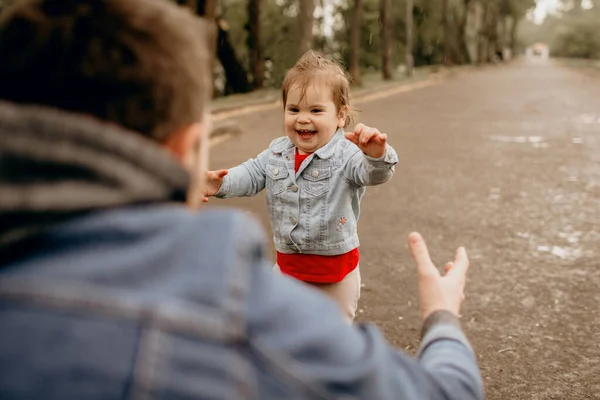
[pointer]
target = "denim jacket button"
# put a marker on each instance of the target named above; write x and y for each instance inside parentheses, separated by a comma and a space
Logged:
(294, 188)
(276, 171)
(293, 220)
(315, 173)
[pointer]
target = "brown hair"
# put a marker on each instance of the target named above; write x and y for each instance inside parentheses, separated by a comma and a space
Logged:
(142, 64)
(314, 65)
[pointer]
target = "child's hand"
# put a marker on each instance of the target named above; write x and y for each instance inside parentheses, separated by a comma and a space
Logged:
(214, 180)
(369, 140)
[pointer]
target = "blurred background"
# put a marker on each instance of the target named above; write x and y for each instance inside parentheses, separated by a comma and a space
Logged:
(494, 109)
(256, 41)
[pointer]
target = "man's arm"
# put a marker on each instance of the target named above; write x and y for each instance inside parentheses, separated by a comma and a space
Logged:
(302, 339)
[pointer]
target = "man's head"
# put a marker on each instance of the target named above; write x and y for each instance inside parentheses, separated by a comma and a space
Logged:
(142, 64)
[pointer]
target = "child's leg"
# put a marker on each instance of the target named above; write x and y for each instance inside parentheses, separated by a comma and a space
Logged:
(346, 292)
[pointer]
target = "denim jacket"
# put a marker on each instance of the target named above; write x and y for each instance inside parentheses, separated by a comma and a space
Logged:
(316, 209)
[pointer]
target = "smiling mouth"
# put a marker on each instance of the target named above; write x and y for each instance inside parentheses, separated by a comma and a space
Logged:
(305, 133)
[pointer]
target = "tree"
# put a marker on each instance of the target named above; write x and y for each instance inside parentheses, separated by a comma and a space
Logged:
(572, 33)
(385, 11)
(355, 27)
(409, 37)
(220, 43)
(462, 51)
(517, 10)
(257, 65)
(447, 35)
(305, 22)
(237, 79)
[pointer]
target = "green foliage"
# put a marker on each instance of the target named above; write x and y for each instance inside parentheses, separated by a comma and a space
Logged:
(278, 30)
(429, 34)
(572, 33)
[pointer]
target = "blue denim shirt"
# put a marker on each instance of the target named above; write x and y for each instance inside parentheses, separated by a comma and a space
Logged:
(156, 302)
(316, 209)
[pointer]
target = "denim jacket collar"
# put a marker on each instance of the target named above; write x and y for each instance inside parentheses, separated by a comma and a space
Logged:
(323, 153)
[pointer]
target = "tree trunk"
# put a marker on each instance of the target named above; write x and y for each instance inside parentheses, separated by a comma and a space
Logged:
(237, 79)
(447, 34)
(306, 21)
(385, 16)
(463, 56)
(355, 26)
(513, 37)
(493, 34)
(257, 64)
(482, 48)
(208, 10)
(219, 43)
(410, 61)
(193, 4)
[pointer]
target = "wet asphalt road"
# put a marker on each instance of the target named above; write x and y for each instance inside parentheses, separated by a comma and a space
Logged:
(504, 160)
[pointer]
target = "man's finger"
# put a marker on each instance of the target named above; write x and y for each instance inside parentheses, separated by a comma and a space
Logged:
(420, 254)
(449, 266)
(461, 262)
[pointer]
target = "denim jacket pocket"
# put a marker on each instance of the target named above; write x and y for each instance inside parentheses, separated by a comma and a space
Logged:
(317, 180)
(276, 174)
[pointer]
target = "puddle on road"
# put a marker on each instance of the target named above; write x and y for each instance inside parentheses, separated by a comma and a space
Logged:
(535, 141)
(571, 251)
(494, 193)
(588, 119)
(571, 237)
(565, 253)
(516, 139)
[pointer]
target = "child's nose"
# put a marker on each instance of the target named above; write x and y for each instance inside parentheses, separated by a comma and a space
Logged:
(303, 119)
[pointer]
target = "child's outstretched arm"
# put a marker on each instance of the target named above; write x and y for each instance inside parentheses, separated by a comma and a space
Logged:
(374, 164)
(247, 179)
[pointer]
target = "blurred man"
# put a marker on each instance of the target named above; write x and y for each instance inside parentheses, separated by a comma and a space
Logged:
(111, 288)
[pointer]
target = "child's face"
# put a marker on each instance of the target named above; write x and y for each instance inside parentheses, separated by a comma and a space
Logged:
(311, 120)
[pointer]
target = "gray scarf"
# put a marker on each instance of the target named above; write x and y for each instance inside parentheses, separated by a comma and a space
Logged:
(56, 165)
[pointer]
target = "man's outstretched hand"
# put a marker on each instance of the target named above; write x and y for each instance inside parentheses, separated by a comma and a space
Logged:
(437, 292)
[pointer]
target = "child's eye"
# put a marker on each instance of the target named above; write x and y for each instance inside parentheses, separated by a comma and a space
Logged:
(317, 110)
(293, 109)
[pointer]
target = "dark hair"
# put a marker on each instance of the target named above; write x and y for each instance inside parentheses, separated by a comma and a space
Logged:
(142, 64)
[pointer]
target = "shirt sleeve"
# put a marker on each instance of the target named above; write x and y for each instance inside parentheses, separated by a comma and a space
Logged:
(363, 170)
(302, 339)
(247, 179)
